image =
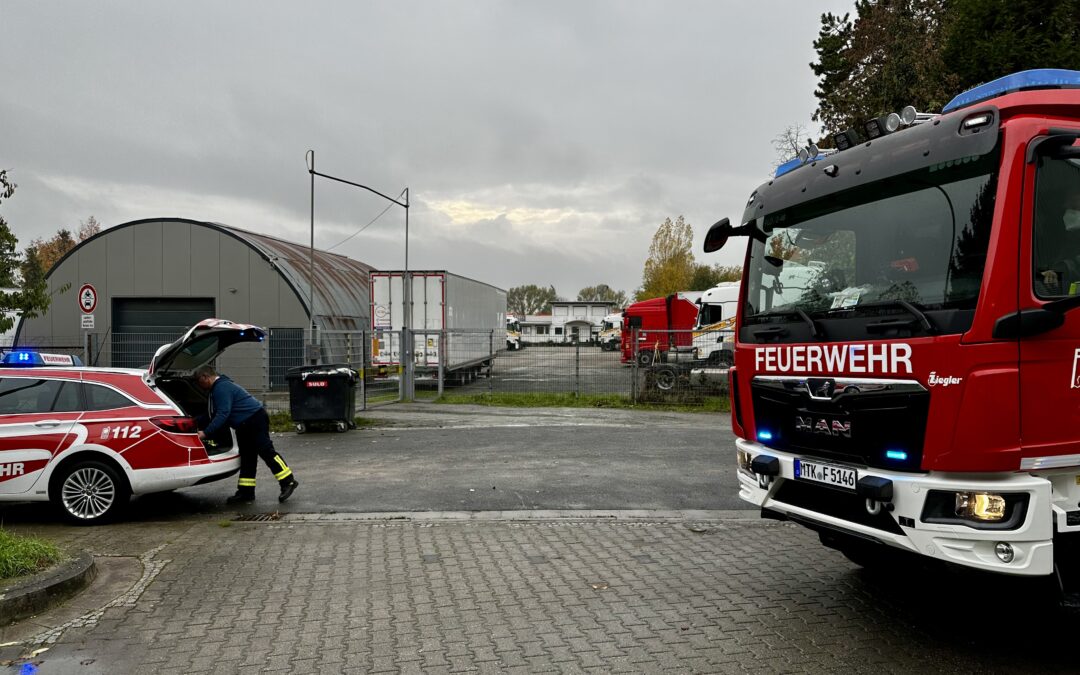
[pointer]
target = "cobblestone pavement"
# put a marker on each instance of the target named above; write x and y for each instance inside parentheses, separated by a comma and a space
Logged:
(725, 595)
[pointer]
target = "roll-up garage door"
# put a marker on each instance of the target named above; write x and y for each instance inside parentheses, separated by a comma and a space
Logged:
(141, 325)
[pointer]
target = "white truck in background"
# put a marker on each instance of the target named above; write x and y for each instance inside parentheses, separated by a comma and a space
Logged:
(513, 333)
(456, 321)
(610, 336)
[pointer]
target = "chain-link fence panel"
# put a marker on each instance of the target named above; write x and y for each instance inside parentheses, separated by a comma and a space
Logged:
(685, 367)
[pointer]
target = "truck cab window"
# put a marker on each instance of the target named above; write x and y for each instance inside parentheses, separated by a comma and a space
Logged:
(1056, 236)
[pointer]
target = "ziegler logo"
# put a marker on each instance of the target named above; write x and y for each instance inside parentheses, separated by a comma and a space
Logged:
(821, 425)
(936, 380)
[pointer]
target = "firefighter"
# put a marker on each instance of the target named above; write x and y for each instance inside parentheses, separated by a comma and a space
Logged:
(229, 405)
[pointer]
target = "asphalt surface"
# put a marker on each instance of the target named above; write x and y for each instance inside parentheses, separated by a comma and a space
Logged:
(434, 457)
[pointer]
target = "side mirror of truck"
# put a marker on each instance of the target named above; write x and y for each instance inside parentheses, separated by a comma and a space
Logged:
(718, 235)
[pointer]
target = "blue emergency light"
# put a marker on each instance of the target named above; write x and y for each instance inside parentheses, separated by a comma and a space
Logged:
(1043, 78)
(795, 163)
(30, 358)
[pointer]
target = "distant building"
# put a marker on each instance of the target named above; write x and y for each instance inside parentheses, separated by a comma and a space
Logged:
(569, 321)
(155, 278)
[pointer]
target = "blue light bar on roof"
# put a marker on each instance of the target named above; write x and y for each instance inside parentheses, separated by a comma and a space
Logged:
(794, 163)
(1044, 78)
(25, 357)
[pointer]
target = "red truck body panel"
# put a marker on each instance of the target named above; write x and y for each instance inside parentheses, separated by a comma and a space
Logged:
(664, 323)
(993, 401)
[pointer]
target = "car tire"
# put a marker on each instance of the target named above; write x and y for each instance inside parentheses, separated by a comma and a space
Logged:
(341, 427)
(89, 492)
(301, 428)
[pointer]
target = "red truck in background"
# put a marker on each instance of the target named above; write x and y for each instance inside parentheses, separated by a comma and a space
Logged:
(658, 324)
(907, 377)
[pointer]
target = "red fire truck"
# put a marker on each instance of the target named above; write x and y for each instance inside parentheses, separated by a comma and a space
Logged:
(658, 324)
(908, 369)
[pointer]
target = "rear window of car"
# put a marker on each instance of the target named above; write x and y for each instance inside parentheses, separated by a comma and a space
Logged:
(24, 396)
(99, 397)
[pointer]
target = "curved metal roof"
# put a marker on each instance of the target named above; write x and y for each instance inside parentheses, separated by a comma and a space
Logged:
(342, 285)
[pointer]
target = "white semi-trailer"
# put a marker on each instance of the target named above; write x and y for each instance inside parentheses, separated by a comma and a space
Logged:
(460, 321)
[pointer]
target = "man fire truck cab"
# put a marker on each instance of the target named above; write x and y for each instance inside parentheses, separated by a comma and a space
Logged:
(919, 390)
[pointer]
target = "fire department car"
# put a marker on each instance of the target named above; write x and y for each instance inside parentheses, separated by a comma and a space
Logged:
(87, 439)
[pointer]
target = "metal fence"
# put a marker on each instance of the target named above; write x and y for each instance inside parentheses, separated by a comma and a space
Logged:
(658, 366)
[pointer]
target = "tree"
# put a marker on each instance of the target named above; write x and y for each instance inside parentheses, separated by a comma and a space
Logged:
(602, 293)
(50, 251)
(670, 265)
(33, 298)
(707, 276)
(88, 228)
(788, 143)
(530, 299)
(888, 57)
(986, 39)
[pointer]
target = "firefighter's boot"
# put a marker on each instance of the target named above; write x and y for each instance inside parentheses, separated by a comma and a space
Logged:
(288, 486)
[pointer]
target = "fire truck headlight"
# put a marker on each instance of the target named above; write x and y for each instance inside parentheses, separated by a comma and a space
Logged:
(744, 461)
(980, 510)
(983, 506)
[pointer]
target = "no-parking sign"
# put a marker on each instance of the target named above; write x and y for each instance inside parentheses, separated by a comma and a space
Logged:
(87, 298)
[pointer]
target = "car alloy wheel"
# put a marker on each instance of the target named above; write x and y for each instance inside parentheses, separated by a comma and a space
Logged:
(88, 492)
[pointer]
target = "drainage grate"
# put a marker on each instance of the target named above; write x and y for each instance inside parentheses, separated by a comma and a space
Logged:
(257, 517)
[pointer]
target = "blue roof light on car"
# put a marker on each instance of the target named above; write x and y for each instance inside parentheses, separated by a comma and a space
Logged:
(1043, 78)
(31, 358)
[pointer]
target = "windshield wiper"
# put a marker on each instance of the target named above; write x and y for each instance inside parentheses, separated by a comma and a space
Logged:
(911, 309)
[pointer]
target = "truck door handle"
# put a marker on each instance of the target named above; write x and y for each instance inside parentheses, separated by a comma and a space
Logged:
(47, 424)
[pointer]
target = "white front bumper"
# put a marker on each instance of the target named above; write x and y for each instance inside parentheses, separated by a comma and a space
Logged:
(1032, 540)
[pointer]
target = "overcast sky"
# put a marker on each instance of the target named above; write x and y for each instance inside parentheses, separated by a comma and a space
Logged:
(542, 142)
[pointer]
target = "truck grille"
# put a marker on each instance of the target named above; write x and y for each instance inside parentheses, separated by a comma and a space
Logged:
(849, 420)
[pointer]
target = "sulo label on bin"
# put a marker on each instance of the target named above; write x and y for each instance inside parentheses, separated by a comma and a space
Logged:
(316, 383)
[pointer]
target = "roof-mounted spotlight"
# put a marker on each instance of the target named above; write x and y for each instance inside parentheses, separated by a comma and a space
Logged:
(882, 125)
(813, 150)
(846, 139)
(908, 115)
(804, 155)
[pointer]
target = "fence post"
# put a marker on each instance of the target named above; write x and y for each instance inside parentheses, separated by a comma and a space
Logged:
(491, 361)
(577, 368)
(266, 361)
(442, 361)
(365, 344)
(634, 365)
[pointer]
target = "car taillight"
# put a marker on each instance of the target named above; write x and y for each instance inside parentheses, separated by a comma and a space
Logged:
(175, 425)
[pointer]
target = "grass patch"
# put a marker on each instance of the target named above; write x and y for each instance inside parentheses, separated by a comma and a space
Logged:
(540, 400)
(282, 421)
(20, 555)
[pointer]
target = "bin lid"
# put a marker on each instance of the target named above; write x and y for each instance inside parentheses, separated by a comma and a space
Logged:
(320, 371)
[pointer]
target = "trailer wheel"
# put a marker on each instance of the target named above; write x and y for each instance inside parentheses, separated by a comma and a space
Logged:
(301, 428)
(341, 426)
(665, 378)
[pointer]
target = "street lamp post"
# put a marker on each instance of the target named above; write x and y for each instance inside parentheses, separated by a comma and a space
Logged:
(408, 379)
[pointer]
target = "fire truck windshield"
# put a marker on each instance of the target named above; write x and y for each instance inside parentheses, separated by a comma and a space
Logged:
(919, 238)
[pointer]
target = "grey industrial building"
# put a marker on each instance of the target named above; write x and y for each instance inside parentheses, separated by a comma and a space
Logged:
(156, 277)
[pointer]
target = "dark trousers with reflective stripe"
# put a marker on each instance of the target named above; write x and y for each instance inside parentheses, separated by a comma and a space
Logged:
(253, 437)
